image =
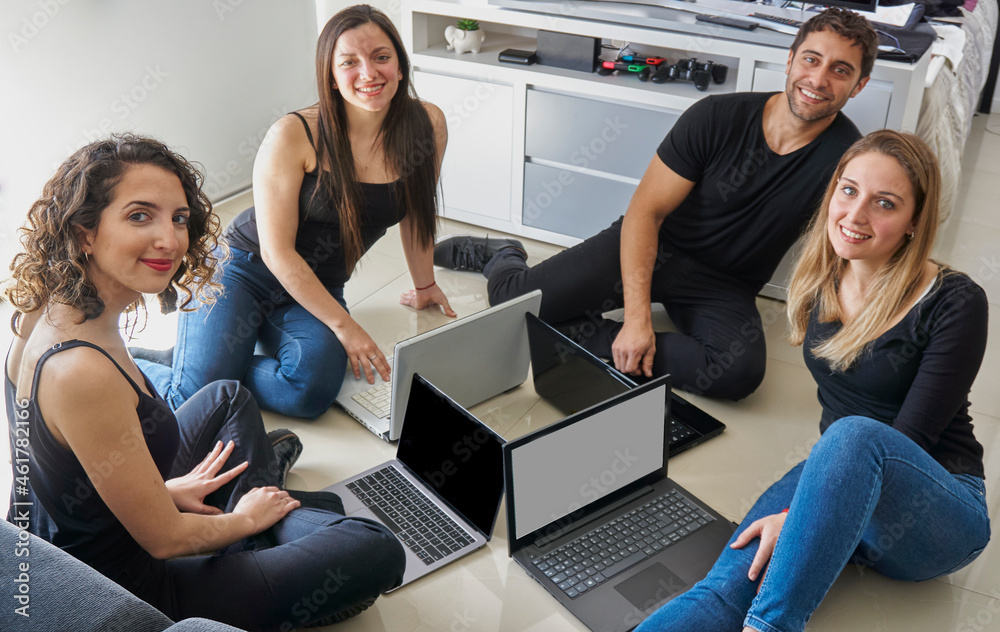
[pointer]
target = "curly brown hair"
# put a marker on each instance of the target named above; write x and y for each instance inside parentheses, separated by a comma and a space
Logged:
(52, 267)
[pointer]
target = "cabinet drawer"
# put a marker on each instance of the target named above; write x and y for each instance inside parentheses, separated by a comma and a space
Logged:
(593, 134)
(570, 202)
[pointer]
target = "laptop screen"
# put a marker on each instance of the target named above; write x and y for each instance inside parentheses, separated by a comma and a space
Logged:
(555, 473)
(567, 376)
(453, 453)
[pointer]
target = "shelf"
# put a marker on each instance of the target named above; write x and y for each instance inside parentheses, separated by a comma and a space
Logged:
(624, 86)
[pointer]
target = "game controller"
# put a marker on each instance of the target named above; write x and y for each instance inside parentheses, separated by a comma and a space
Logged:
(698, 72)
(642, 70)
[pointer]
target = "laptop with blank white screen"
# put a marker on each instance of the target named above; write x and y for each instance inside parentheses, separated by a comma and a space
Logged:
(441, 495)
(592, 516)
(472, 358)
(571, 378)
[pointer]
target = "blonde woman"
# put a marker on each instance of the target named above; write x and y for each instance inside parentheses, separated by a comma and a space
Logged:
(894, 341)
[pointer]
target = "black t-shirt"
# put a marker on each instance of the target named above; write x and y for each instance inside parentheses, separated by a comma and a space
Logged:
(749, 204)
(318, 237)
(916, 376)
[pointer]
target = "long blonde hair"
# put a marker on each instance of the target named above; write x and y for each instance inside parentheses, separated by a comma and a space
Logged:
(818, 270)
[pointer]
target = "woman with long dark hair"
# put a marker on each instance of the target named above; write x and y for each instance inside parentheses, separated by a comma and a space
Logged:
(894, 341)
(328, 181)
(183, 509)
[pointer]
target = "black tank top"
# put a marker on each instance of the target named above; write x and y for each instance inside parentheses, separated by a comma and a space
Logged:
(55, 499)
(318, 237)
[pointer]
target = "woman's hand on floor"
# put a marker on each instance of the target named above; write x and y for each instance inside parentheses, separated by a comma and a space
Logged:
(189, 491)
(422, 299)
(767, 529)
(265, 506)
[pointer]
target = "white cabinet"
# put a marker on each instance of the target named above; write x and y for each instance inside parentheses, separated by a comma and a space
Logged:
(476, 174)
(555, 154)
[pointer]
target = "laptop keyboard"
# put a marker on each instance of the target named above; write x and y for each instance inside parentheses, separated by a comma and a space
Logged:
(416, 521)
(678, 432)
(597, 556)
(376, 400)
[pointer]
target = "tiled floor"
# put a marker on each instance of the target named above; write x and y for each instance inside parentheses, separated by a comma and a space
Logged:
(767, 433)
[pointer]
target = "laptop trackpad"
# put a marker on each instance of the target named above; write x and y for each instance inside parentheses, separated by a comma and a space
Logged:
(651, 587)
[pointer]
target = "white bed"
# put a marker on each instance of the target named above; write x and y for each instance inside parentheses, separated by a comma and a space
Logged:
(954, 82)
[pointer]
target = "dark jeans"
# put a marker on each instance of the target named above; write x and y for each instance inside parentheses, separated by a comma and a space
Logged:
(720, 350)
(313, 563)
(303, 364)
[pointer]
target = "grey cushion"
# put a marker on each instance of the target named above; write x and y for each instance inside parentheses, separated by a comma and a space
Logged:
(62, 593)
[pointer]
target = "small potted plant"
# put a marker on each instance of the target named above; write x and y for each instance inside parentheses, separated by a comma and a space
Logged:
(464, 37)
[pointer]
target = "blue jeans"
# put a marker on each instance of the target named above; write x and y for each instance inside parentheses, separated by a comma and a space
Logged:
(868, 495)
(304, 363)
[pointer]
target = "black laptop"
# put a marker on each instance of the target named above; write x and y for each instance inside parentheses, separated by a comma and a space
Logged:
(441, 495)
(592, 516)
(572, 379)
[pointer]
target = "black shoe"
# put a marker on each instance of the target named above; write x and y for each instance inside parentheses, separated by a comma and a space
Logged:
(287, 449)
(465, 252)
(159, 356)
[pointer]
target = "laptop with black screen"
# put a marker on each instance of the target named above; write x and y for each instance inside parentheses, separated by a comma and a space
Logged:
(592, 516)
(441, 495)
(572, 379)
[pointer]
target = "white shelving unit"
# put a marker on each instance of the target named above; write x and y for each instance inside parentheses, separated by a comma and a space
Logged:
(555, 154)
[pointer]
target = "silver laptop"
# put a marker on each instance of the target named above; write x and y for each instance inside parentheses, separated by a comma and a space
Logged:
(472, 359)
(441, 495)
(592, 516)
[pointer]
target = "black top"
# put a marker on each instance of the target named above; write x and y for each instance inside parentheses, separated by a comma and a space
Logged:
(318, 236)
(749, 204)
(916, 376)
(57, 500)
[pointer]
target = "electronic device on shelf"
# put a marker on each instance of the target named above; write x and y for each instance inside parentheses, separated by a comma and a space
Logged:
(643, 71)
(700, 73)
(722, 20)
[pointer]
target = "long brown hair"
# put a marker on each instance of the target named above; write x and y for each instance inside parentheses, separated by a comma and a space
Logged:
(407, 137)
(52, 267)
(819, 269)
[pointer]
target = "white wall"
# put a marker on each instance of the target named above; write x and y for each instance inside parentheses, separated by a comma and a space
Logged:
(326, 9)
(208, 77)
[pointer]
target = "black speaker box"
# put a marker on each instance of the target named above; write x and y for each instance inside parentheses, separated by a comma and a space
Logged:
(574, 52)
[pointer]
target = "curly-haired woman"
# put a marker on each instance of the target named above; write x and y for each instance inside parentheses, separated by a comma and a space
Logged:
(328, 181)
(118, 480)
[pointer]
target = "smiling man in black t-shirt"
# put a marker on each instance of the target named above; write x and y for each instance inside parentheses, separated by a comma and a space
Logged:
(731, 187)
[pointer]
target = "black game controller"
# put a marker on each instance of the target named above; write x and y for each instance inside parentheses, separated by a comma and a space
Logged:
(697, 72)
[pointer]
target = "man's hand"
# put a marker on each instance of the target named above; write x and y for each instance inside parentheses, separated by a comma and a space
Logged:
(633, 349)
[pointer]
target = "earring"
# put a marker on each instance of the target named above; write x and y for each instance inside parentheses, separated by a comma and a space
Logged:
(909, 236)
(400, 77)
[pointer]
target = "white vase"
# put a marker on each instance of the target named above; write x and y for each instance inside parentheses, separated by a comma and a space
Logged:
(464, 41)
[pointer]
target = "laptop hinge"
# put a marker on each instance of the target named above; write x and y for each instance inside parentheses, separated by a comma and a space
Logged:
(540, 542)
